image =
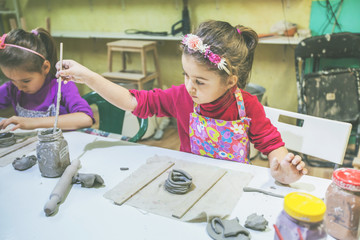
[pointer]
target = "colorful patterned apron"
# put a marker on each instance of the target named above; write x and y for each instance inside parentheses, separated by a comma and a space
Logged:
(219, 138)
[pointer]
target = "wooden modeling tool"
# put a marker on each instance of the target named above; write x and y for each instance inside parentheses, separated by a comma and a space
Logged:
(59, 90)
(61, 187)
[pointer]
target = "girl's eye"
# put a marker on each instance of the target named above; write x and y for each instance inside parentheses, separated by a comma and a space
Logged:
(26, 81)
(199, 83)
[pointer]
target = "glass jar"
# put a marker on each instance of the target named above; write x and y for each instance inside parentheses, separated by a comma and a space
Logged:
(342, 200)
(52, 153)
(303, 214)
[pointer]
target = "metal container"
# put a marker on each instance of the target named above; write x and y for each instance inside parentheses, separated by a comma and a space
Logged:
(52, 153)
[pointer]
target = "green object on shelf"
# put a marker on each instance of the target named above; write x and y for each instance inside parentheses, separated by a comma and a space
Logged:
(112, 118)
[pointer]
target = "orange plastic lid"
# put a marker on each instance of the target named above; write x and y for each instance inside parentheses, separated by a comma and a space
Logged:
(347, 178)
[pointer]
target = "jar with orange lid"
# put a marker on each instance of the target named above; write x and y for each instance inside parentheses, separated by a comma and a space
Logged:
(301, 218)
(342, 200)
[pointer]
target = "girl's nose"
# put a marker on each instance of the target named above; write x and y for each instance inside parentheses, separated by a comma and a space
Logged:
(189, 86)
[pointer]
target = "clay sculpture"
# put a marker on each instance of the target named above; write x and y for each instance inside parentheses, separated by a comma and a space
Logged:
(24, 162)
(88, 180)
(178, 182)
(256, 222)
(7, 139)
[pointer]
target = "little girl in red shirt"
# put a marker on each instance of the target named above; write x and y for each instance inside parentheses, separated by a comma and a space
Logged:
(215, 116)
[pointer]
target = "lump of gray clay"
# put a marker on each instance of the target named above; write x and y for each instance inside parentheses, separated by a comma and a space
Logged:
(256, 222)
(24, 163)
(88, 180)
(219, 229)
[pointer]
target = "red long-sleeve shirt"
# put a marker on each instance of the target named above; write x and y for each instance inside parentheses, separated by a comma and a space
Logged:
(176, 102)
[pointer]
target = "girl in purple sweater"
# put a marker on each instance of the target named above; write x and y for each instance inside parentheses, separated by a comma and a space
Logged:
(28, 60)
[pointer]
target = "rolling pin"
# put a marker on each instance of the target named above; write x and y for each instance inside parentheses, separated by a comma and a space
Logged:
(61, 187)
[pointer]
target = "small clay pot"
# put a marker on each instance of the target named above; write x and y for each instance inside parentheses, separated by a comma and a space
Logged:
(7, 139)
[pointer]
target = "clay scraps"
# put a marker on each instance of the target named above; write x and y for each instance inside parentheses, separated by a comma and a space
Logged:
(178, 182)
(88, 180)
(219, 229)
(256, 222)
(24, 162)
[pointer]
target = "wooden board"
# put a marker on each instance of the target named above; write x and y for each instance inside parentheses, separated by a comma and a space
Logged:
(214, 191)
(190, 201)
(9, 158)
(137, 181)
(22, 147)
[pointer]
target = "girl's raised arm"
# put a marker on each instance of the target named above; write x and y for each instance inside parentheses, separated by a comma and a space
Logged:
(113, 93)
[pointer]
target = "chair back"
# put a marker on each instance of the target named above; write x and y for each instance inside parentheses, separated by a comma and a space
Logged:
(111, 118)
(318, 137)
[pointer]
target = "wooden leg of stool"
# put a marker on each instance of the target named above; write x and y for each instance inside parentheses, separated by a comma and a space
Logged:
(123, 56)
(109, 59)
(140, 86)
(356, 161)
(157, 67)
(143, 61)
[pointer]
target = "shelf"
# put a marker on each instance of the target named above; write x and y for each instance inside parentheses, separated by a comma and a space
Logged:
(280, 40)
(113, 35)
(110, 35)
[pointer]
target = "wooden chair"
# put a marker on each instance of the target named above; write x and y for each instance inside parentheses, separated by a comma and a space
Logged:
(318, 137)
(126, 76)
(112, 118)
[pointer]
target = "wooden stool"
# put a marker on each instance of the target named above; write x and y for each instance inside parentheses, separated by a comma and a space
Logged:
(137, 77)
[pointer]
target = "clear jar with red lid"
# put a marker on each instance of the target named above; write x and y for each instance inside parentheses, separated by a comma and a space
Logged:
(342, 201)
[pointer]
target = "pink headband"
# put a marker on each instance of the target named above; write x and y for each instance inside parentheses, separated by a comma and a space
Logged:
(195, 44)
(35, 32)
(3, 45)
(238, 30)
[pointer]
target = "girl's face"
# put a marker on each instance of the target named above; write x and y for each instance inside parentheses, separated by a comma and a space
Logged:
(28, 82)
(203, 85)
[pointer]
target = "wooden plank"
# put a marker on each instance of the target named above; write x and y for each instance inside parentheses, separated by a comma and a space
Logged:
(16, 146)
(9, 158)
(201, 191)
(139, 179)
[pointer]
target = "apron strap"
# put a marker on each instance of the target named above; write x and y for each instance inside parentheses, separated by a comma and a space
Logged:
(239, 101)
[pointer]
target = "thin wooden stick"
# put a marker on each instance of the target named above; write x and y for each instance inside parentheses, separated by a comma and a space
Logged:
(59, 90)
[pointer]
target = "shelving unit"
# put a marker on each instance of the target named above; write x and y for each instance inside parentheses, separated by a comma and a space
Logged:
(13, 11)
(114, 35)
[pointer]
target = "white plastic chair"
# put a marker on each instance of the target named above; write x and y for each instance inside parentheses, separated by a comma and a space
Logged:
(318, 137)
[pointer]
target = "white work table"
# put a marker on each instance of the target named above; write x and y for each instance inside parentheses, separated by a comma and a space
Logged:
(86, 214)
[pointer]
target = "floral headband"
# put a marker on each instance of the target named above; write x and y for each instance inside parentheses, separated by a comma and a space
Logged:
(195, 43)
(3, 45)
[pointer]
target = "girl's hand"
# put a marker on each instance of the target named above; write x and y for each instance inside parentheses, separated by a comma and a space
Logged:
(19, 122)
(73, 71)
(288, 170)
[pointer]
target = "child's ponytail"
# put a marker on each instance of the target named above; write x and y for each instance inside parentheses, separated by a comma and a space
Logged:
(50, 47)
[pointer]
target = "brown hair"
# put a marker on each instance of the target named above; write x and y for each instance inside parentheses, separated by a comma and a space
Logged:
(225, 40)
(38, 40)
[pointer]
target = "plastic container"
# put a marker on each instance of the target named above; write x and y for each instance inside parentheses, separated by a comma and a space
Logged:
(52, 153)
(303, 214)
(342, 200)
